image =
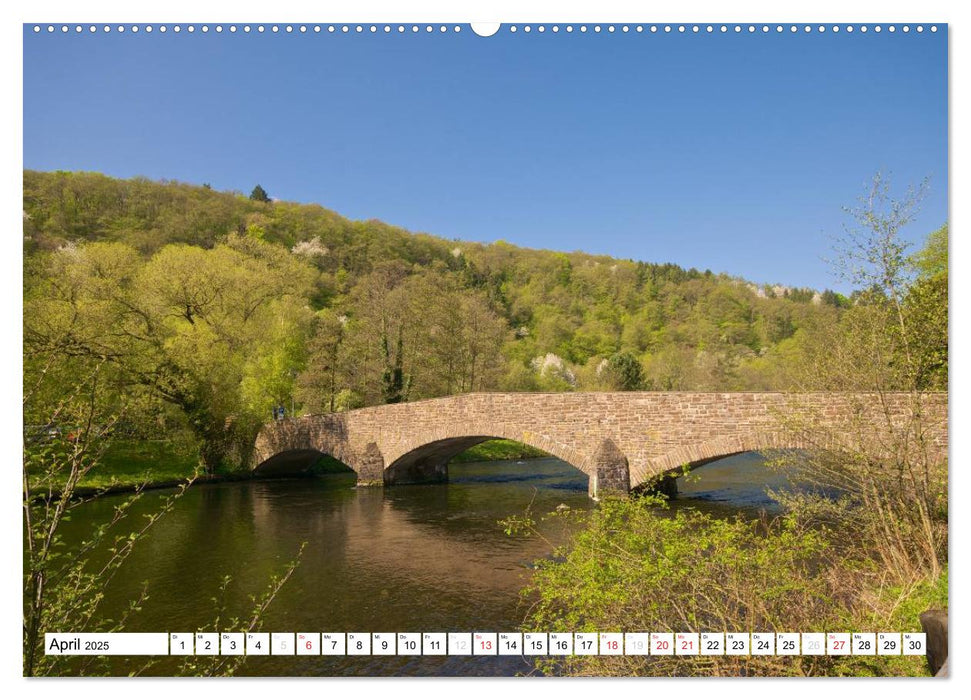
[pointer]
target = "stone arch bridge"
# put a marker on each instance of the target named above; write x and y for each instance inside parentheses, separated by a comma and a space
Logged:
(620, 440)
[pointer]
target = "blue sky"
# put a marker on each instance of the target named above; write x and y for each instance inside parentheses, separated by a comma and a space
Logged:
(732, 152)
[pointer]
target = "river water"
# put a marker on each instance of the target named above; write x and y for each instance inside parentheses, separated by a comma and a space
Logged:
(430, 558)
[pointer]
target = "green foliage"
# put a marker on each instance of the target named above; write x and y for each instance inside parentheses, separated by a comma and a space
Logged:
(925, 313)
(185, 309)
(893, 338)
(931, 260)
(71, 410)
(259, 194)
(217, 333)
(625, 372)
(328, 465)
(75, 409)
(925, 310)
(892, 333)
(493, 450)
(394, 384)
(834, 299)
(635, 566)
(472, 316)
(318, 387)
(136, 462)
(870, 560)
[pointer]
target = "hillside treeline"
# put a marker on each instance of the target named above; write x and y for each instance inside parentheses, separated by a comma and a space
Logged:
(207, 310)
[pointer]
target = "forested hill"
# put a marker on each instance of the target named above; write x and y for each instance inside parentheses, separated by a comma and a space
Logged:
(147, 215)
(222, 307)
(560, 315)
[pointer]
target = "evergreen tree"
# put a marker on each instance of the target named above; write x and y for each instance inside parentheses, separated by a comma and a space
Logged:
(259, 194)
(625, 372)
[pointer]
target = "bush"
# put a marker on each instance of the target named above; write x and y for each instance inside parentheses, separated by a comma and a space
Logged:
(636, 566)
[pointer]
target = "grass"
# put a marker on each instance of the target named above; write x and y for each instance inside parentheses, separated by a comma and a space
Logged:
(328, 465)
(133, 462)
(498, 450)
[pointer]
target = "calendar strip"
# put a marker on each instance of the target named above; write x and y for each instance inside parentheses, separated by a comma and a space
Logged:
(487, 644)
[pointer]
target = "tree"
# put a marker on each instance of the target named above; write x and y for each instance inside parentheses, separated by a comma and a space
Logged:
(259, 194)
(455, 335)
(71, 408)
(893, 339)
(327, 371)
(926, 313)
(872, 255)
(699, 330)
(416, 334)
(483, 334)
(932, 260)
(217, 333)
(394, 383)
(625, 372)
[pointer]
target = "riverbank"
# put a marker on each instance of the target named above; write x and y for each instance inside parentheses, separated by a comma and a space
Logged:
(631, 563)
(496, 450)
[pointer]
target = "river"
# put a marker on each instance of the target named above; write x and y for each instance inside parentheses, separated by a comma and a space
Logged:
(429, 558)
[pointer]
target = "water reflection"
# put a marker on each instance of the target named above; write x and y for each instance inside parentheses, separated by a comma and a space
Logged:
(737, 482)
(409, 558)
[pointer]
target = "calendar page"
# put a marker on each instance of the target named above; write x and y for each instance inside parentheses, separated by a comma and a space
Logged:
(415, 347)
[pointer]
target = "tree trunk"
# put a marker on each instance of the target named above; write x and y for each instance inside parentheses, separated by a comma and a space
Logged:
(212, 454)
(215, 439)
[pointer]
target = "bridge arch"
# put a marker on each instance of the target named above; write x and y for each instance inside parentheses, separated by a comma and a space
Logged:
(664, 470)
(452, 438)
(289, 462)
(428, 462)
(423, 457)
(295, 462)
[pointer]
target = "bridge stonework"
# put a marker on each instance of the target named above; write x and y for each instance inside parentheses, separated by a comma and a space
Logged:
(621, 440)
